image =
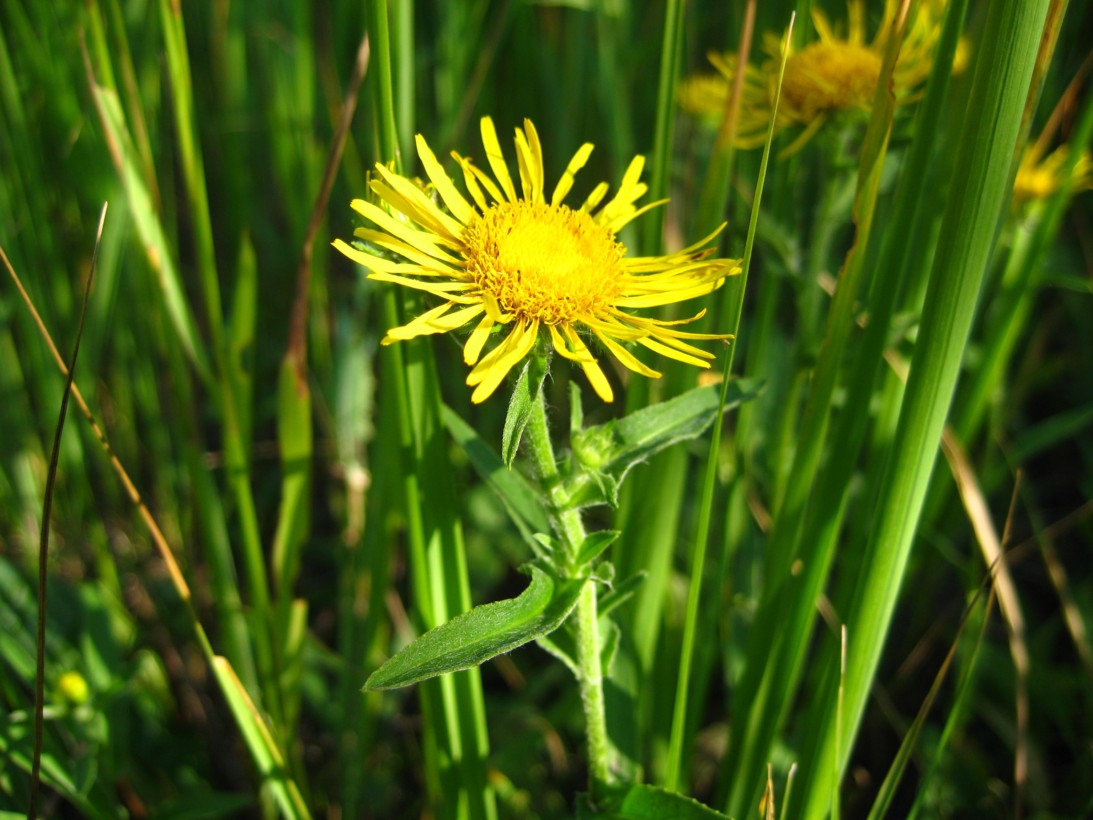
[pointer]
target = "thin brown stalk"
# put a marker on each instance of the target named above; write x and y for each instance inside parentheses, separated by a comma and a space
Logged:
(158, 538)
(296, 351)
(993, 554)
(727, 133)
(43, 548)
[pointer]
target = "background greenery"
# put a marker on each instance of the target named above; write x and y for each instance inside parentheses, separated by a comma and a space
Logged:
(322, 516)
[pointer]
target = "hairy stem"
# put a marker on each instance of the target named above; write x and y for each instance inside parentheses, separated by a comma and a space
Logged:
(570, 532)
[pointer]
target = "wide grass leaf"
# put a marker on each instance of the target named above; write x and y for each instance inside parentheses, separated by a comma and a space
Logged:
(483, 633)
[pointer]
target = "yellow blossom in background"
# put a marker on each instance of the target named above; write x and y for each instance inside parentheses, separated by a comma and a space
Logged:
(73, 688)
(838, 72)
(1039, 177)
(524, 267)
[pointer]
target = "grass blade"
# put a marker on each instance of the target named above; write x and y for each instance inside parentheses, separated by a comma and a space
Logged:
(969, 229)
(43, 551)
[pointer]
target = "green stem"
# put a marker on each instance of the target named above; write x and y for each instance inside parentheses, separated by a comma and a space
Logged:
(569, 528)
(591, 682)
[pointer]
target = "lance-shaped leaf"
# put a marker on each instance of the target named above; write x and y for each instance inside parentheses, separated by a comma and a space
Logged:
(643, 802)
(485, 632)
(605, 453)
(523, 400)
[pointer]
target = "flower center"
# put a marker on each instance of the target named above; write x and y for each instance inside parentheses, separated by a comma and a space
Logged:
(544, 262)
(823, 76)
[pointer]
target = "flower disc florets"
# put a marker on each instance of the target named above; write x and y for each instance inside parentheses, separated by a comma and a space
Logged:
(830, 76)
(544, 262)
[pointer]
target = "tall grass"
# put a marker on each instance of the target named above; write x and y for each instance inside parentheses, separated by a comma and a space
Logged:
(310, 502)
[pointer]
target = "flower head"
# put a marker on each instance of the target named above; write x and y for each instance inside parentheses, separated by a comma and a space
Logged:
(527, 267)
(1039, 176)
(839, 72)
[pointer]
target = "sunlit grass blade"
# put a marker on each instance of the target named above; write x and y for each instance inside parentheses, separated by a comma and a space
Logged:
(267, 757)
(249, 721)
(453, 705)
(235, 447)
(978, 195)
(674, 765)
(886, 793)
(160, 255)
(775, 645)
(43, 548)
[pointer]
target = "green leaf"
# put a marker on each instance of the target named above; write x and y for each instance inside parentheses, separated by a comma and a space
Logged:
(605, 453)
(295, 439)
(576, 410)
(642, 802)
(521, 500)
(594, 544)
(161, 259)
(264, 751)
(620, 593)
(523, 400)
(486, 631)
(562, 644)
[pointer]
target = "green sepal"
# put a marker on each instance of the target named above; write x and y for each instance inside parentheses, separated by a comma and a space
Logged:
(604, 454)
(483, 633)
(524, 397)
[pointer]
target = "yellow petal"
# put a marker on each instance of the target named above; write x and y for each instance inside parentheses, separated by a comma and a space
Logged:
(460, 208)
(441, 289)
(563, 349)
(529, 156)
(437, 320)
(413, 202)
(666, 297)
(566, 182)
(598, 381)
(477, 340)
(595, 197)
(516, 347)
(665, 350)
(412, 253)
(425, 241)
(496, 158)
(472, 184)
(626, 357)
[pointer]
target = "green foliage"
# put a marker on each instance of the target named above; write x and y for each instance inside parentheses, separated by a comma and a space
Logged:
(641, 802)
(524, 394)
(603, 454)
(486, 631)
(325, 498)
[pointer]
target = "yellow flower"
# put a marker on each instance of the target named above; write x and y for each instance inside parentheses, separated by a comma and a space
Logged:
(73, 688)
(839, 72)
(1038, 177)
(529, 266)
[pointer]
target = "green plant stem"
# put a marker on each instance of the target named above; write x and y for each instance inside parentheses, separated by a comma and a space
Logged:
(569, 528)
